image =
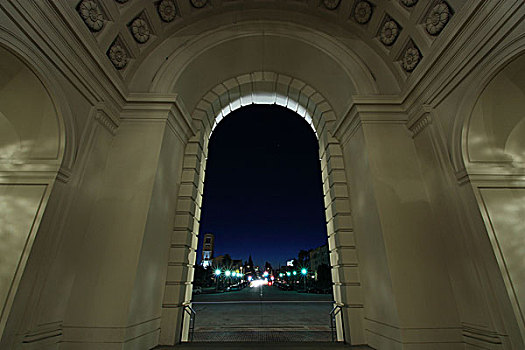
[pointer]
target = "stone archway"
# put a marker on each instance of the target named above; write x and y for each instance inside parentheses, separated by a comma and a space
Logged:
(264, 88)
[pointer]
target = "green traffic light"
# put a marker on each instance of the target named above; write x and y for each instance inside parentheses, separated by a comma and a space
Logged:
(288, 273)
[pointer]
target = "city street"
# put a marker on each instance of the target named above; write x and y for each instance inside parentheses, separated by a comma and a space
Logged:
(264, 313)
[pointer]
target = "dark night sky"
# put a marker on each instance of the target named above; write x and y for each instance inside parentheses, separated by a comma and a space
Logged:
(263, 191)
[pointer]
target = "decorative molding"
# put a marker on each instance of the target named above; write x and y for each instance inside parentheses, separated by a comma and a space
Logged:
(368, 111)
(483, 335)
(462, 177)
(411, 57)
(108, 123)
(331, 4)
(140, 29)
(167, 10)
(437, 18)
(198, 3)
(64, 175)
(52, 330)
(421, 124)
(363, 12)
(409, 3)
(118, 54)
(389, 32)
(168, 108)
(91, 15)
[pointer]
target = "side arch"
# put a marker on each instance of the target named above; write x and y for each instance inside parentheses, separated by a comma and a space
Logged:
(42, 137)
(493, 66)
(487, 152)
(263, 88)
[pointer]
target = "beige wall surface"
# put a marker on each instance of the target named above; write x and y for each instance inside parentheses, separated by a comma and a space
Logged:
(505, 211)
(19, 211)
(146, 300)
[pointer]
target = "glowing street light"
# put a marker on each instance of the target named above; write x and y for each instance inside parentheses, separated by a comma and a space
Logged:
(228, 273)
(294, 273)
(265, 274)
(234, 274)
(218, 272)
(304, 271)
(281, 274)
(288, 273)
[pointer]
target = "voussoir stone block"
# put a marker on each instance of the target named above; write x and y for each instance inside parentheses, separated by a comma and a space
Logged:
(182, 237)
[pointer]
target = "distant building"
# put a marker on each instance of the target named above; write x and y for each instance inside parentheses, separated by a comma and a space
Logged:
(237, 264)
(319, 256)
(207, 249)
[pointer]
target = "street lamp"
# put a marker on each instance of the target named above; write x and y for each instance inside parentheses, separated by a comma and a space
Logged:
(288, 273)
(304, 271)
(228, 273)
(294, 273)
(217, 275)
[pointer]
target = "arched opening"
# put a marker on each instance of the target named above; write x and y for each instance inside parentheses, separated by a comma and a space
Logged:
(31, 151)
(262, 212)
(264, 88)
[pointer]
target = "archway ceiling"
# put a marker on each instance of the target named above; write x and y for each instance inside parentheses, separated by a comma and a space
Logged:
(401, 33)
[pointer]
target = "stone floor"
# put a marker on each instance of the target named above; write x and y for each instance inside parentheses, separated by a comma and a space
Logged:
(263, 314)
(264, 346)
(266, 318)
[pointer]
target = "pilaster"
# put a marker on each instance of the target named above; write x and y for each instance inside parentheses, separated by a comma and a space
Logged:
(407, 292)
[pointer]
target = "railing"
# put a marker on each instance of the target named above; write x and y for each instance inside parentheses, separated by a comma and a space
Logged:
(187, 309)
(337, 310)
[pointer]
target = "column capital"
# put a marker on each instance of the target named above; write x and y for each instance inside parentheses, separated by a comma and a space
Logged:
(159, 107)
(369, 110)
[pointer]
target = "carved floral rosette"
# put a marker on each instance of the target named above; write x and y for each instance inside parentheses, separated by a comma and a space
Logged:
(409, 3)
(140, 30)
(167, 10)
(118, 56)
(411, 58)
(198, 3)
(91, 15)
(331, 4)
(437, 18)
(363, 12)
(389, 32)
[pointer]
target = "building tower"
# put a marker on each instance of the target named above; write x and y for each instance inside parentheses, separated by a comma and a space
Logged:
(207, 249)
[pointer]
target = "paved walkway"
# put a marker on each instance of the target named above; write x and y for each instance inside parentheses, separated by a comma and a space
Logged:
(264, 346)
(262, 314)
